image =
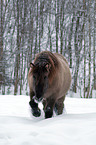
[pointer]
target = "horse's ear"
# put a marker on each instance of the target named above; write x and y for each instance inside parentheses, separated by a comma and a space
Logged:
(32, 65)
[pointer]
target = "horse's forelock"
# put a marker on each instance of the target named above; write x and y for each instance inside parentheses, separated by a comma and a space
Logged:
(44, 58)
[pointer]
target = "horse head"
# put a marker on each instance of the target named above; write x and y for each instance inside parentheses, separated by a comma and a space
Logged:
(40, 73)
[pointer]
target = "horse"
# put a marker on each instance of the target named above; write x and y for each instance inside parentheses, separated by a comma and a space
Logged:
(49, 79)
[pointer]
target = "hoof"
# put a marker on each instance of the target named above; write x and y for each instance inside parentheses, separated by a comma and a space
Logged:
(58, 110)
(48, 113)
(36, 112)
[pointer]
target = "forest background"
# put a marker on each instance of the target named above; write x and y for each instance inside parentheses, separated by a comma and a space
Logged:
(63, 26)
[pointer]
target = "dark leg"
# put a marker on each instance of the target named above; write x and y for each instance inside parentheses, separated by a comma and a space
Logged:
(35, 110)
(49, 108)
(59, 105)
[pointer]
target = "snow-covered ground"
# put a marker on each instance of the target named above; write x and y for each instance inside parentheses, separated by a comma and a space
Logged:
(77, 126)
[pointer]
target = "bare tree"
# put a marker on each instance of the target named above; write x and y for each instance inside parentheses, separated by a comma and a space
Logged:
(94, 47)
(1, 42)
(66, 27)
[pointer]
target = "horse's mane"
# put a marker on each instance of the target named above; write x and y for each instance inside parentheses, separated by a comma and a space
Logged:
(47, 57)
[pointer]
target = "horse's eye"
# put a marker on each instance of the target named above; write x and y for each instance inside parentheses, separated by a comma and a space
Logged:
(34, 77)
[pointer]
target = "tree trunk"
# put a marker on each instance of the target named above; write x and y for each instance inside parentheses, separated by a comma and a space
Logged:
(78, 47)
(49, 29)
(17, 62)
(70, 39)
(1, 43)
(57, 23)
(84, 8)
(61, 26)
(36, 39)
(89, 79)
(84, 66)
(94, 47)
(41, 24)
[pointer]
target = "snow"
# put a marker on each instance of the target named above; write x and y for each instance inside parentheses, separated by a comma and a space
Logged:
(76, 126)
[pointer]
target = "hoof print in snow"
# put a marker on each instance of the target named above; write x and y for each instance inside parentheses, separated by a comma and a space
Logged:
(48, 113)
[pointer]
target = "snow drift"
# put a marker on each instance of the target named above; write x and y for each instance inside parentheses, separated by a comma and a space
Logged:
(76, 126)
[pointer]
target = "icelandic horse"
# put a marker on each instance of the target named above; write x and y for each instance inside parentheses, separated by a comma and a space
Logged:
(49, 80)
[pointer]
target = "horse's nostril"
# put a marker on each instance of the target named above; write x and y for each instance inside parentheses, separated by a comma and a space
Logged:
(38, 98)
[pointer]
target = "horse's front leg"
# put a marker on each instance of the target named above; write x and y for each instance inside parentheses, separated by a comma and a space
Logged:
(34, 106)
(49, 107)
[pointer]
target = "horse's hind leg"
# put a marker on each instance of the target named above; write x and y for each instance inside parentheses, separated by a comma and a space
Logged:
(34, 106)
(59, 105)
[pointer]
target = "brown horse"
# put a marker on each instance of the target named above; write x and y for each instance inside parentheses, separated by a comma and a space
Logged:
(49, 80)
